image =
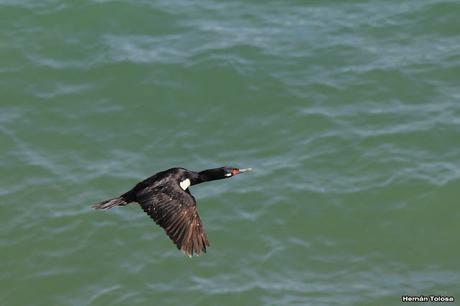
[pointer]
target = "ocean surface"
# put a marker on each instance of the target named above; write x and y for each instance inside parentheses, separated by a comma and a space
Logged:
(348, 111)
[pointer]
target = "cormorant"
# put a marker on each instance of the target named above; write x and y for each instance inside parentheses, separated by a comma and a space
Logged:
(165, 197)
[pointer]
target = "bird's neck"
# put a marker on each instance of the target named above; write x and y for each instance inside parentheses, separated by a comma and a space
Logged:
(208, 175)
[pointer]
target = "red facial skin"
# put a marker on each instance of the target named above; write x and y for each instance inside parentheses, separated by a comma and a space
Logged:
(235, 171)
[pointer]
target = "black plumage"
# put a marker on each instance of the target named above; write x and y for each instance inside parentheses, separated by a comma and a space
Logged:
(165, 197)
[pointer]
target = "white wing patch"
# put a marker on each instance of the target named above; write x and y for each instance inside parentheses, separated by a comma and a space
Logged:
(185, 184)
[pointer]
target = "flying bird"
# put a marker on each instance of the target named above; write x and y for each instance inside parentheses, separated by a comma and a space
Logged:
(166, 198)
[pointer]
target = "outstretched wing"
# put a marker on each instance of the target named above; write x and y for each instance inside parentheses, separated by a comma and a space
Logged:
(175, 211)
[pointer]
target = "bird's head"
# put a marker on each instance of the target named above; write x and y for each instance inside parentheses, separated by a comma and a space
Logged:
(229, 171)
(217, 174)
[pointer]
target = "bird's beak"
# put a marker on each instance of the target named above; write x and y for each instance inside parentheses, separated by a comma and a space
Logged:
(236, 171)
(245, 170)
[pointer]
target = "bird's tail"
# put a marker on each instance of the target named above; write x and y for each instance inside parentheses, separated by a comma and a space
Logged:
(110, 203)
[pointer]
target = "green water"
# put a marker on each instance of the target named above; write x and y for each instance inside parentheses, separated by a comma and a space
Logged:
(349, 112)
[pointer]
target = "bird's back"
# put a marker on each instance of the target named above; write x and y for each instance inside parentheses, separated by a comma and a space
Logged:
(163, 178)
